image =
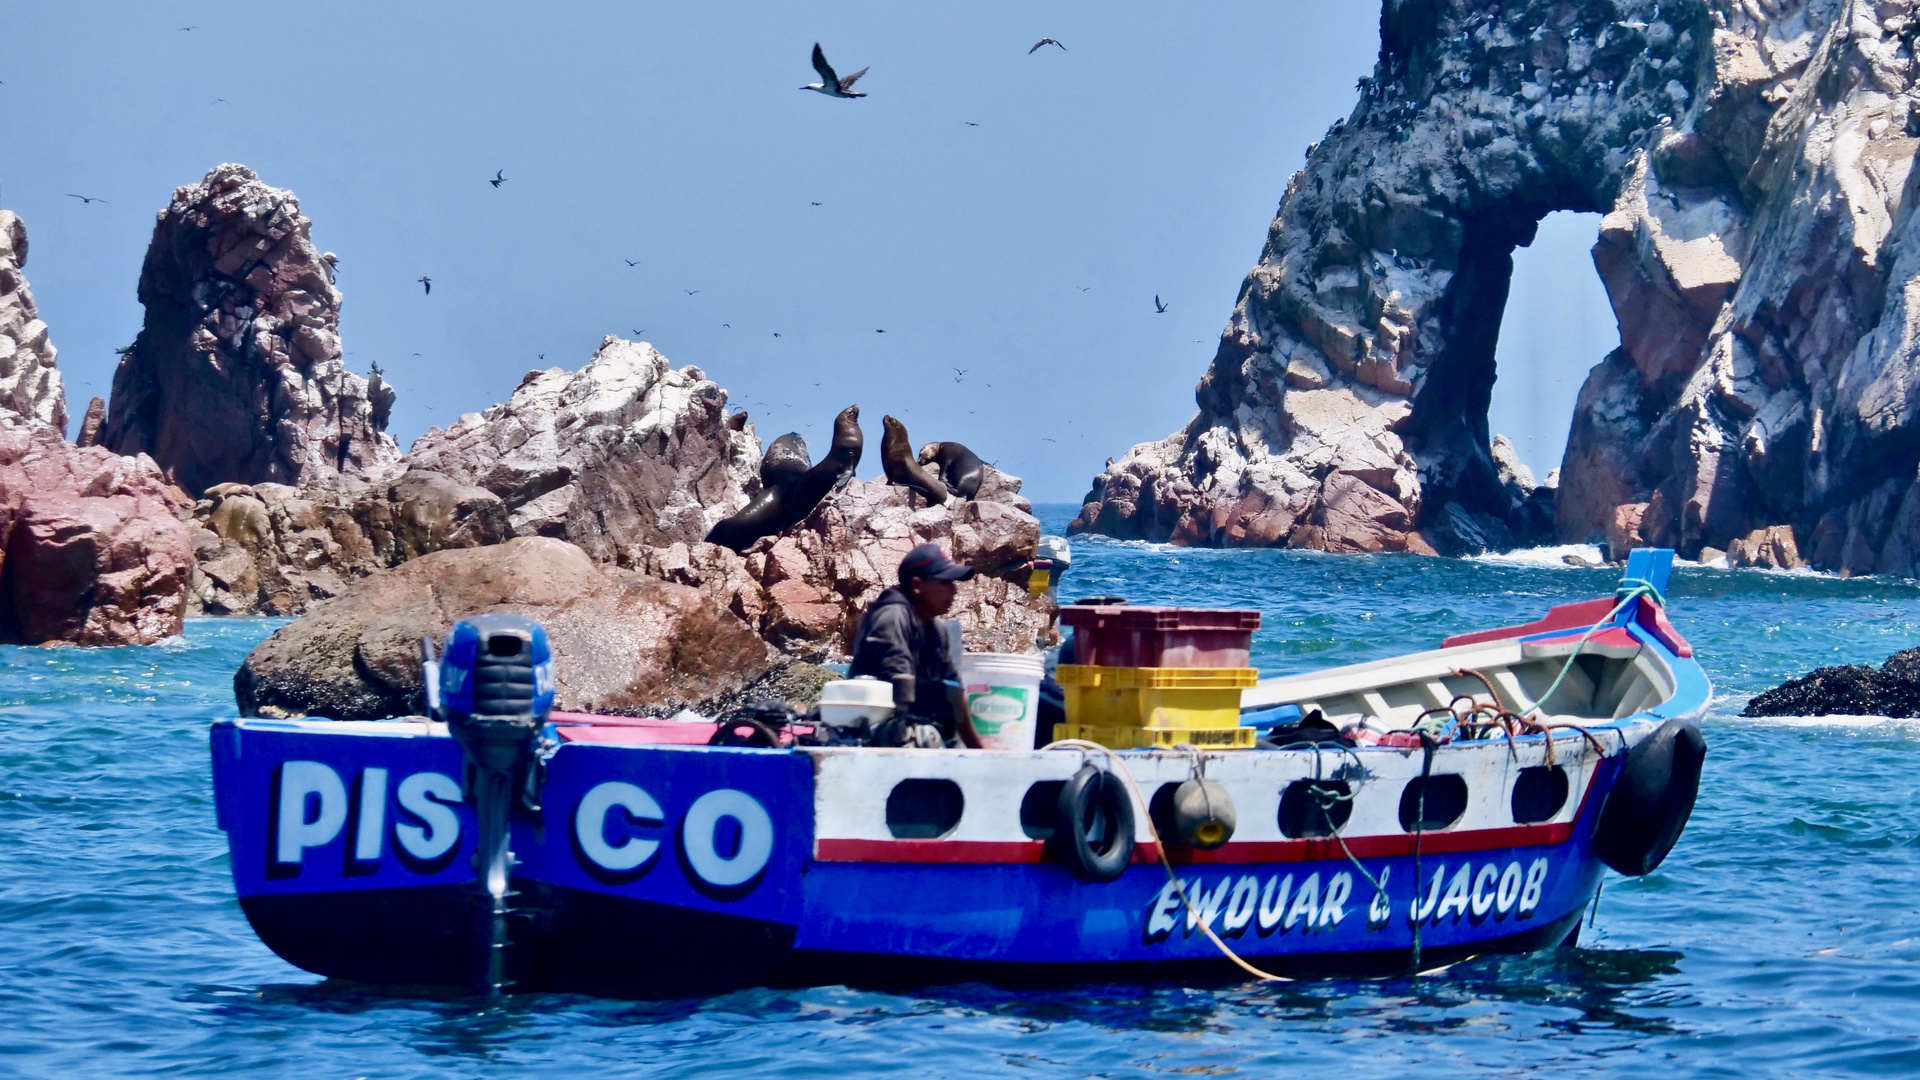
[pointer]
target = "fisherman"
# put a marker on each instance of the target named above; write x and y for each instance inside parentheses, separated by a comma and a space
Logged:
(898, 640)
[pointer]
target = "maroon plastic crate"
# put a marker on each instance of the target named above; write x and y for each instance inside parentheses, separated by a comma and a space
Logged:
(1128, 636)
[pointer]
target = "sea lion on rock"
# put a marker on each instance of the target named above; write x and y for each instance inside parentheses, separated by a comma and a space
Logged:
(790, 487)
(785, 461)
(960, 468)
(896, 456)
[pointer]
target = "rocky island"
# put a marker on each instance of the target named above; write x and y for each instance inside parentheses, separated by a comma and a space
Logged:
(1752, 162)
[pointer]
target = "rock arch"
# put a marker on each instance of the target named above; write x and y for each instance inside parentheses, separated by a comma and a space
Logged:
(1752, 159)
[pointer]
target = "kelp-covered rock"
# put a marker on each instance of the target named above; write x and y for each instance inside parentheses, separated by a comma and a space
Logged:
(624, 643)
(1847, 690)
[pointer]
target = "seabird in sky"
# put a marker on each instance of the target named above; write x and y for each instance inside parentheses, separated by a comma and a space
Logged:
(691, 292)
(631, 262)
(427, 283)
(499, 177)
(84, 198)
(879, 331)
(958, 372)
(1158, 307)
(1084, 288)
(830, 84)
(969, 123)
(816, 204)
(1044, 42)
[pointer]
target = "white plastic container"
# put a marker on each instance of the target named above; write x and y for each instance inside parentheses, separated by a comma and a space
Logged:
(1003, 697)
(853, 702)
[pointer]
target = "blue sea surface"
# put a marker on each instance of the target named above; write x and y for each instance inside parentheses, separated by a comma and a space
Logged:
(1781, 938)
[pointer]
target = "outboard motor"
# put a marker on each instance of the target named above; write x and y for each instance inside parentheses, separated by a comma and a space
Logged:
(494, 687)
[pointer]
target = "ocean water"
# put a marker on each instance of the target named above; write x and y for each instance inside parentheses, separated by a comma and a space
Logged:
(1781, 938)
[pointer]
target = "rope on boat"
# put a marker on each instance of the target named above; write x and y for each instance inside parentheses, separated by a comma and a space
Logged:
(1193, 912)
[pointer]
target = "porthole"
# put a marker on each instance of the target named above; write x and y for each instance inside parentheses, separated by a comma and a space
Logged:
(1445, 800)
(1538, 794)
(1039, 808)
(923, 809)
(1315, 808)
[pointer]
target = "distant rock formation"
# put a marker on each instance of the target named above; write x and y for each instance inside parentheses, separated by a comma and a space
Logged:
(276, 550)
(1758, 248)
(1847, 690)
(632, 461)
(236, 376)
(624, 455)
(91, 549)
(30, 386)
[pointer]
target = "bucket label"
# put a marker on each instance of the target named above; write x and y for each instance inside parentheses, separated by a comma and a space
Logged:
(998, 707)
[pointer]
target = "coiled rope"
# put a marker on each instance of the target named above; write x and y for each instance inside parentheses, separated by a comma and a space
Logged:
(1194, 914)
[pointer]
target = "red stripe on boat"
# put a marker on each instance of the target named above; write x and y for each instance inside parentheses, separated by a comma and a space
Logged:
(1559, 617)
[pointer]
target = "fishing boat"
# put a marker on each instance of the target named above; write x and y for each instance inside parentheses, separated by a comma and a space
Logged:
(1471, 804)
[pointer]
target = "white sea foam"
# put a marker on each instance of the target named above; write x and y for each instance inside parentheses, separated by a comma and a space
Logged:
(1850, 723)
(1551, 555)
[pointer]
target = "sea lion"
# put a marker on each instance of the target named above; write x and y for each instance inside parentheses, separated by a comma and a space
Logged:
(835, 470)
(791, 487)
(960, 468)
(896, 457)
(785, 461)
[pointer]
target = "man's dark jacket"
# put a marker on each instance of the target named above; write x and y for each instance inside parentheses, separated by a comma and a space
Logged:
(892, 639)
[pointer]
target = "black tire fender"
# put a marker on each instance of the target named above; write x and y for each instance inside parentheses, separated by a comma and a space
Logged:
(1084, 799)
(1651, 798)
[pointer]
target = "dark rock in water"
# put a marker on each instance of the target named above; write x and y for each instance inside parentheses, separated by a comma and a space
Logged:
(1847, 690)
(623, 643)
(237, 374)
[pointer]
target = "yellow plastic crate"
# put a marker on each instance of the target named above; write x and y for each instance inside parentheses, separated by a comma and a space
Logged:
(1154, 698)
(1131, 738)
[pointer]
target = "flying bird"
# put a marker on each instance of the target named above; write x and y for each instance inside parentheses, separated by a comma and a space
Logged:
(727, 325)
(499, 177)
(1158, 307)
(219, 101)
(639, 331)
(691, 292)
(1045, 41)
(1084, 288)
(631, 262)
(426, 283)
(832, 85)
(84, 198)
(969, 123)
(1049, 440)
(879, 331)
(958, 372)
(814, 204)
(776, 333)
(184, 29)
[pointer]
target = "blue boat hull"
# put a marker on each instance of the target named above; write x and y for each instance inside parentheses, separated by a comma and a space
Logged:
(373, 889)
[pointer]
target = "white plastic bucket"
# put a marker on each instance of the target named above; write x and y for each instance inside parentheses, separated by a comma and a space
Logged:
(1003, 697)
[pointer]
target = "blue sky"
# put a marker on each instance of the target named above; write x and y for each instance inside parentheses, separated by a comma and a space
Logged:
(1025, 251)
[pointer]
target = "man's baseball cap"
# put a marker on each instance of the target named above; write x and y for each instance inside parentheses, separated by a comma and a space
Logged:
(928, 561)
